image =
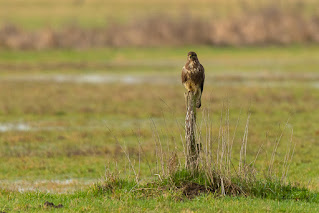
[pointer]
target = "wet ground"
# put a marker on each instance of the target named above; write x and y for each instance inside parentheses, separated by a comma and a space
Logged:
(229, 79)
(56, 186)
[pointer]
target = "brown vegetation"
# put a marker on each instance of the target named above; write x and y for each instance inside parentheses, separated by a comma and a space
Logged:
(263, 26)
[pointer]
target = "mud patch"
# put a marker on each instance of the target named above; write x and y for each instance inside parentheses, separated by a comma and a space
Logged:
(191, 190)
(48, 204)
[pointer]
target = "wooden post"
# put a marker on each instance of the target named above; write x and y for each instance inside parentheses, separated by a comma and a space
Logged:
(192, 149)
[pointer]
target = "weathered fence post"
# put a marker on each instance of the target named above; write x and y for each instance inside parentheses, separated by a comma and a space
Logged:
(192, 148)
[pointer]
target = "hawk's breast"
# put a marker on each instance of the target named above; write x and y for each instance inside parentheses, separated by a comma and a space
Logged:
(189, 84)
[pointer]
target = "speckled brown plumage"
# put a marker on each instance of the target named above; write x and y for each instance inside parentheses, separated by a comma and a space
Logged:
(193, 76)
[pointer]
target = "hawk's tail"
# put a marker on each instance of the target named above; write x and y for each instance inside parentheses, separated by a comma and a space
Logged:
(199, 102)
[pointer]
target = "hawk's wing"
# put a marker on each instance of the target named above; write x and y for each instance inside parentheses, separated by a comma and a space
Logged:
(184, 75)
(202, 77)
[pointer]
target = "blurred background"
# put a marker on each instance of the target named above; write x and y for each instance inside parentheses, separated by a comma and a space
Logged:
(72, 69)
(139, 23)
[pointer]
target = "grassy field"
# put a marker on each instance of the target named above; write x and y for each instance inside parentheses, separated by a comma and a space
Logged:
(88, 202)
(80, 125)
(61, 109)
(289, 61)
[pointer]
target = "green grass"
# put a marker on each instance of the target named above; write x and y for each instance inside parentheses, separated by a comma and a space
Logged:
(168, 201)
(183, 185)
(55, 153)
(166, 60)
(69, 121)
(304, 53)
(116, 194)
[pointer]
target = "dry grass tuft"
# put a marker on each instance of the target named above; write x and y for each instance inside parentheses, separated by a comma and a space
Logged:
(220, 170)
(268, 25)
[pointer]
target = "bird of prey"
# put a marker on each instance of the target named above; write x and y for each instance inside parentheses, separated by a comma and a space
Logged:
(193, 77)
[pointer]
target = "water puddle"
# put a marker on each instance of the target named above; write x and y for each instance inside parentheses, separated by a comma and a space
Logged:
(49, 186)
(93, 79)
(316, 85)
(5, 127)
(231, 79)
(91, 125)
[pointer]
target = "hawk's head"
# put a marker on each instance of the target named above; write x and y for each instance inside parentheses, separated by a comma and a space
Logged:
(192, 56)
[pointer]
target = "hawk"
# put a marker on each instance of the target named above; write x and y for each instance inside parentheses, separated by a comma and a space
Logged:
(193, 77)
